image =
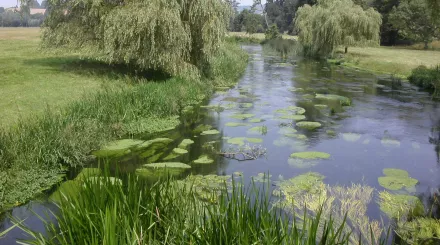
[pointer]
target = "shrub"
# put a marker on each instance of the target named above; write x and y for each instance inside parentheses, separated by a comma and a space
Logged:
(426, 78)
(272, 33)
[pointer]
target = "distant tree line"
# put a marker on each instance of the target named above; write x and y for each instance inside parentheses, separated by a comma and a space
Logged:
(21, 16)
(402, 20)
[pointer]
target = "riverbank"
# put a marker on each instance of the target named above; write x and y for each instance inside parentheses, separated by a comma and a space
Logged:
(70, 106)
(397, 61)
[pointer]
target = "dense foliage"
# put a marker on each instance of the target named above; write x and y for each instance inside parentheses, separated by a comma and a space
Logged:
(413, 20)
(11, 18)
(426, 78)
(102, 211)
(332, 23)
(171, 36)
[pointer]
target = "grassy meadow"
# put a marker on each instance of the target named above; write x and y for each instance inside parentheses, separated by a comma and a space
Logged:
(32, 80)
(57, 108)
(398, 61)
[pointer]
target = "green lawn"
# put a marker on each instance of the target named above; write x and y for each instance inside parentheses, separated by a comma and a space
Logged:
(31, 80)
(391, 60)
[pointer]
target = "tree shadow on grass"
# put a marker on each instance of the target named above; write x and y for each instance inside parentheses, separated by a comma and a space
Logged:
(91, 67)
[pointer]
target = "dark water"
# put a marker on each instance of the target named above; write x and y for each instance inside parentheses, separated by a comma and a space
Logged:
(382, 108)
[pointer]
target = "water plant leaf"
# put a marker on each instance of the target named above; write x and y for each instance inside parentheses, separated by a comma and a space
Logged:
(201, 128)
(117, 148)
(236, 141)
(291, 109)
(257, 130)
(294, 117)
(256, 120)
(396, 182)
(395, 172)
(235, 124)
(351, 137)
(321, 106)
(170, 165)
(210, 132)
(88, 172)
(331, 133)
(310, 155)
(242, 116)
(387, 142)
(254, 140)
(185, 143)
(308, 125)
(245, 105)
(204, 159)
(177, 152)
(342, 99)
(296, 136)
(154, 143)
(262, 177)
(69, 189)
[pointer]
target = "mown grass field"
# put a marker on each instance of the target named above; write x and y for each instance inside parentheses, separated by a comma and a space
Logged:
(32, 80)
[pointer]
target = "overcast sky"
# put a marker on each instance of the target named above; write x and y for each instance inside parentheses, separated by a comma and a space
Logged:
(11, 3)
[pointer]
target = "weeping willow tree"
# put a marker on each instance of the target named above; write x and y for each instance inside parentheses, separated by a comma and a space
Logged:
(167, 35)
(333, 23)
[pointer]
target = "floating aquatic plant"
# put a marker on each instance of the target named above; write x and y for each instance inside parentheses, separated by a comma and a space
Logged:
(177, 152)
(204, 159)
(210, 132)
(155, 143)
(286, 130)
(245, 105)
(396, 179)
(244, 152)
(170, 165)
(117, 148)
(241, 140)
(296, 89)
(419, 231)
(291, 110)
(387, 142)
(343, 100)
(308, 125)
(243, 116)
(351, 137)
(331, 133)
(262, 177)
(201, 128)
(185, 143)
(321, 106)
(296, 136)
(293, 117)
(88, 172)
(256, 120)
(310, 155)
(235, 124)
(258, 130)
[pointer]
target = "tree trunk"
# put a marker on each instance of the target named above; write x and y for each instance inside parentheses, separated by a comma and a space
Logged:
(346, 49)
(426, 46)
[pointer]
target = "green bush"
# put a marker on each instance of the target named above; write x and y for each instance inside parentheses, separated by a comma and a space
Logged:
(426, 78)
(272, 33)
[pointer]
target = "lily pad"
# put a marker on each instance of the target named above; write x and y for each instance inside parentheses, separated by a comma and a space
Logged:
(351, 137)
(291, 109)
(396, 179)
(331, 133)
(210, 132)
(201, 128)
(320, 106)
(310, 155)
(342, 99)
(245, 105)
(255, 120)
(67, 190)
(308, 125)
(236, 141)
(387, 142)
(185, 143)
(262, 177)
(207, 187)
(156, 143)
(88, 172)
(170, 165)
(234, 124)
(293, 117)
(204, 159)
(398, 206)
(257, 130)
(177, 152)
(117, 148)
(254, 140)
(287, 130)
(296, 136)
(309, 182)
(242, 116)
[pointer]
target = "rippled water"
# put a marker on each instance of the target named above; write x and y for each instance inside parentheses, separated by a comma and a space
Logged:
(382, 108)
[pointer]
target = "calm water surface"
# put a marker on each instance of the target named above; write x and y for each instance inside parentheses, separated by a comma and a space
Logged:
(381, 109)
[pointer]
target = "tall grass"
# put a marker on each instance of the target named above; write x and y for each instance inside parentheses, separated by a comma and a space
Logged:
(35, 151)
(169, 212)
